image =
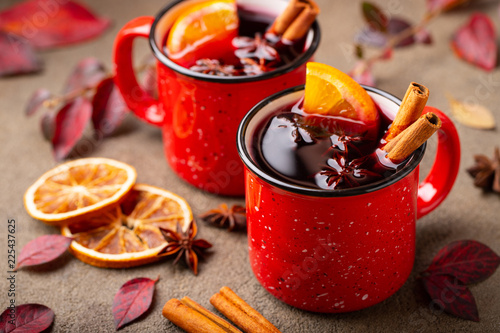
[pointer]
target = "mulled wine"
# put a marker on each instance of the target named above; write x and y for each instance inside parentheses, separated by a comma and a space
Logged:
(321, 151)
(253, 50)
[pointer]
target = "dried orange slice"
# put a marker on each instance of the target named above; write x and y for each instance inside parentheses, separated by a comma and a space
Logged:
(331, 92)
(129, 235)
(78, 189)
(203, 30)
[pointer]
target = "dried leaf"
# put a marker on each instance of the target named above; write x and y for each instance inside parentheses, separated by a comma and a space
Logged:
(70, 123)
(374, 17)
(48, 125)
(368, 36)
(36, 101)
(48, 24)
(423, 36)
(27, 318)
(362, 73)
(450, 294)
(472, 115)
(42, 250)
(109, 108)
(475, 42)
(87, 73)
(132, 300)
(469, 261)
(375, 38)
(17, 55)
(398, 25)
(438, 5)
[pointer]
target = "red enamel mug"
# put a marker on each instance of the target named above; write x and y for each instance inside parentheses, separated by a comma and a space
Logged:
(199, 113)
(342, 250)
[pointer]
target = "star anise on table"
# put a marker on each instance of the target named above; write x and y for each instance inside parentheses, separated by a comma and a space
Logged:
(341, 173)
(486, 172)
(234, 218)
(256, 54)
(213, 67)
(184, 244)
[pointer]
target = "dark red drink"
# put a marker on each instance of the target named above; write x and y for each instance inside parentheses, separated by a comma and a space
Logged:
(316, 151)
(252, 52)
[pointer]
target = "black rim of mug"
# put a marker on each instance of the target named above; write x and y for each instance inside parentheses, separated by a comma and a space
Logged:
(309, 191)
(160, 55)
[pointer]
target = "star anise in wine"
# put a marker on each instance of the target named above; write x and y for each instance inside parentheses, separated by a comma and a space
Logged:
(341, 173)
(256, 54)
(213, 67)
(184, 244)
(346, 143)
(486, 172)
(233, 218)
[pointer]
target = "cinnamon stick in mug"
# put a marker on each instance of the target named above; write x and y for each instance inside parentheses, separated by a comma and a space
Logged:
(411, 138)
(294, 22)
(410, 110)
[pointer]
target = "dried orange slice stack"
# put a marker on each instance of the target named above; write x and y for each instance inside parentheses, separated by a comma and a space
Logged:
(113, 222)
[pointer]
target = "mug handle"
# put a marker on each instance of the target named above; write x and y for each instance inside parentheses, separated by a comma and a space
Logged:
(139, 101)
(438, 183)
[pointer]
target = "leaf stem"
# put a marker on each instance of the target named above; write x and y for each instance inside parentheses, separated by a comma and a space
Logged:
(401, 36)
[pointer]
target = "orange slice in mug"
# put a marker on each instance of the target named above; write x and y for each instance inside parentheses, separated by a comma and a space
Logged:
(331, 92)
(203, 30)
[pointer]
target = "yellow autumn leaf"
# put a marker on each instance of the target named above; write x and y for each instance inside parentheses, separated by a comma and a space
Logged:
(472, 115)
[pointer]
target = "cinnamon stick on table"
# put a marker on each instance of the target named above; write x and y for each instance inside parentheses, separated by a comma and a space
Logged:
(240, 313)
(194, 318)
(410, 110)
(294, 22)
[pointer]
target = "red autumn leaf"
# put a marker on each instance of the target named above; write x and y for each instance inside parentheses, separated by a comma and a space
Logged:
(469, 261)
(435, 5)
(42, 250)
(452, 296)
(70, 123)
(48, 125)
(36, 101)
(362, 73)
(397, 25)
(423, 36)
(109, 108)
(28, 318)
(52, 23)
(87, 73)
(475, 42)
(375, 38)
(17, 55)
(132, 300)
(374, 17)
(370, 37)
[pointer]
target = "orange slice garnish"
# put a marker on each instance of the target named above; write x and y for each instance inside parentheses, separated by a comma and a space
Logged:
(78, 189)
(129, 235)
(203, 30)
(331, 92)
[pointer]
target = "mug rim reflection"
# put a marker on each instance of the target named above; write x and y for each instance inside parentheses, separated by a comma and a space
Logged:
(161, 56)
(248, 160)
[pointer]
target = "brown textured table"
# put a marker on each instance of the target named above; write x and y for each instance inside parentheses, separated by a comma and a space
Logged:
(81, 295)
